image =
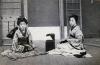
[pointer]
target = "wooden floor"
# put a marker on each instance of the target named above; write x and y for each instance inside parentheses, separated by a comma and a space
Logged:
(58, 59)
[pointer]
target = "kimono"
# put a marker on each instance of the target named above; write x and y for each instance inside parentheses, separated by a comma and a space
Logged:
(22, 45)
(71, 46)
(22, 42)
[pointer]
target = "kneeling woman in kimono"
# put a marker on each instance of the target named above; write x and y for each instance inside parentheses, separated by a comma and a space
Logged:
(22, 41)
(22, 45)
(73, 45)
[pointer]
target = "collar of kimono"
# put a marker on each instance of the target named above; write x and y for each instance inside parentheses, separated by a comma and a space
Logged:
(23, 33)
(73, 27)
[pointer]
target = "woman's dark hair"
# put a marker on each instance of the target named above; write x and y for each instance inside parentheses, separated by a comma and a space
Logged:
(75, 17)
(21, 19)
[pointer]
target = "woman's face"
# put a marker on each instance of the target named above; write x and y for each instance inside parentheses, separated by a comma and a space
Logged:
(72, 22)
(22, 25)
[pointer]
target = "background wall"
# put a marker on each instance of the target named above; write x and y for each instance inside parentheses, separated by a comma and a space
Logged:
(43, 17)
(10, 10)
(91, 18)
(43, 13)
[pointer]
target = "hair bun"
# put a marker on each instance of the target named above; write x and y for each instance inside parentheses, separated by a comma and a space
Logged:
(21, 19)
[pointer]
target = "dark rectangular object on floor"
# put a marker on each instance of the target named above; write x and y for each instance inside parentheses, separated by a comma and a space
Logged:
(50, 44)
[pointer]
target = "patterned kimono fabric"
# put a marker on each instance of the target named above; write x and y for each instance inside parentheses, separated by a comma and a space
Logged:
(21, 46)
(72, 47)
(23, 43)
(77, 35)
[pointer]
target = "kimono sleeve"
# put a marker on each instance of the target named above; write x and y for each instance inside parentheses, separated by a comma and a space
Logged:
(79, 37)
(30, 39)
(79, 34)
(15, 41)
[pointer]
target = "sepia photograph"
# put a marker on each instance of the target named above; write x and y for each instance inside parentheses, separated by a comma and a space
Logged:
(49, 32)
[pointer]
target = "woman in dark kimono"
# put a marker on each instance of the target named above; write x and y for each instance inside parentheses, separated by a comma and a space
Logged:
(22, 45)
(22, 41)
(72, 45)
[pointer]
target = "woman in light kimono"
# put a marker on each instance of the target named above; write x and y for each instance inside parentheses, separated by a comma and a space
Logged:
(72, 45)
(22, 45)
